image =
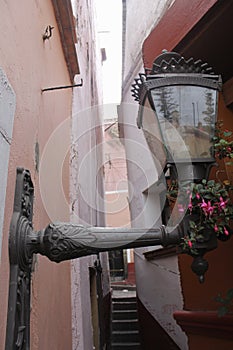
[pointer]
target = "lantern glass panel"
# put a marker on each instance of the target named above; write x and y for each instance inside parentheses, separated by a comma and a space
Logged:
(152, 133)
(187, 113)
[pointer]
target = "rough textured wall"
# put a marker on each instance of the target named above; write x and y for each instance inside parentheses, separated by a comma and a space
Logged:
(87, 205)
(30, 65)
(141, 18)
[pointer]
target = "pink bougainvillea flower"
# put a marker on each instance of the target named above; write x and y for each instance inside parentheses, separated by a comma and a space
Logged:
(222, 204)
(190, 244)
(198, 196)
(210, 208)
(203, 204)
(215, 228)
(207, 207)
(226, 231)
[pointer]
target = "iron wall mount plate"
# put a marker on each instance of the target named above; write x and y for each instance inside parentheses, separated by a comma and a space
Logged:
(18, 318)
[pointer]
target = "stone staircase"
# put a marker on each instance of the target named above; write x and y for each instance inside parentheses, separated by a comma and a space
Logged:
(125, 332)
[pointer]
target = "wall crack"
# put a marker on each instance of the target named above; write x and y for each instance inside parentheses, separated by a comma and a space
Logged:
(5, 136)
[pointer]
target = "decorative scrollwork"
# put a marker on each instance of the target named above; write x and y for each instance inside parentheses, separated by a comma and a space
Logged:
(18, 317)
(67, 241)
(23, 297)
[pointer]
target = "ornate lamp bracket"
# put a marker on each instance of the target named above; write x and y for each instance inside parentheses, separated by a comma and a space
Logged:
(59, 242)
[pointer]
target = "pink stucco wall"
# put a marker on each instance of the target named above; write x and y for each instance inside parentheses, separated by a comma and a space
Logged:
(115, 177)
(30, 65)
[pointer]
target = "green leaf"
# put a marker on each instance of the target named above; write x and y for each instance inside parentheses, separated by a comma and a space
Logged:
(211, 183)
(227, 133)
(223, 142)
(208, 196)
(192, 224)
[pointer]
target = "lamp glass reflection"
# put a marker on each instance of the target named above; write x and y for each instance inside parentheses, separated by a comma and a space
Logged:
(152, 133)
(191, 110)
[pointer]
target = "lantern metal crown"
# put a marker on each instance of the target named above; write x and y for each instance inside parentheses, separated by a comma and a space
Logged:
(173, 63)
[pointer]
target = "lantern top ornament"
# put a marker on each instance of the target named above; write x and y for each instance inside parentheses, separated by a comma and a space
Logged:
(168, 64)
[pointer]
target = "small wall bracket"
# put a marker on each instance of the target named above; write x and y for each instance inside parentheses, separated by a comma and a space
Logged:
(62, 87)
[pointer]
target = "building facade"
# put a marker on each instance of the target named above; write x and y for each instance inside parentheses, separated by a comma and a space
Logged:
(49, 44)
(87, 186)
(175, 310)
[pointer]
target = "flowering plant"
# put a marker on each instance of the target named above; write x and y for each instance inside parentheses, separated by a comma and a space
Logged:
(209, 207)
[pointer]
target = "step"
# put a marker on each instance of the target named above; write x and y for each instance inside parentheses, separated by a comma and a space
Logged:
(122, 286)
(124, 314)
(123, 346)
(125, 336)
(124, 305)
(125, 325)
(124, 299)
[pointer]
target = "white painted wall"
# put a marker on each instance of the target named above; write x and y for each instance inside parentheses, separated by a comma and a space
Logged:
(7, 112)
(158, 281)
(141, 19)
(157, 288)
(86, 192)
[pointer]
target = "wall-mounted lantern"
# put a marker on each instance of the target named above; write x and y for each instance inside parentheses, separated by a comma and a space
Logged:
(178, 101)
(183, 95)
(180, 95)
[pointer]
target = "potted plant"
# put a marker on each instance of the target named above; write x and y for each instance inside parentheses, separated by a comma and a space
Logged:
(206, 206)
(207, 209)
